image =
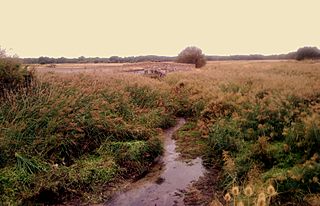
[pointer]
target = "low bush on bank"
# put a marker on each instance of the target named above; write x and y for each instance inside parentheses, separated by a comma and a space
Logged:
(13, 76)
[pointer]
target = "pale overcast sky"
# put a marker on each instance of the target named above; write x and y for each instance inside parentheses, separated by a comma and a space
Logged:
(71, 28)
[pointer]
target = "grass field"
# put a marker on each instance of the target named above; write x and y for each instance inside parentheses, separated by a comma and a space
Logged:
(73, 134)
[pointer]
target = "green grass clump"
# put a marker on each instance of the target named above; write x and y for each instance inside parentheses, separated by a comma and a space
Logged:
(21, 186)
(135, 157)
(190, 141)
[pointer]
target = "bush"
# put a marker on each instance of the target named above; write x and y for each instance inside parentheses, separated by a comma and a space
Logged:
(308, 53)
(192, 55)
(13, 76)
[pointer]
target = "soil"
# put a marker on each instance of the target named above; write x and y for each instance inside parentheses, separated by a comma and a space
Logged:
(203, 191)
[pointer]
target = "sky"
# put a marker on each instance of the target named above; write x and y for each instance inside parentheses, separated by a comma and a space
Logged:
(73, 28)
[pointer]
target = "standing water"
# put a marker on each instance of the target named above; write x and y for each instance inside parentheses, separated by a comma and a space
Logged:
(166, 186)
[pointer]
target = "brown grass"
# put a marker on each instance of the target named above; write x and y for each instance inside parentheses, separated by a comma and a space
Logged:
(300, 78)
(217, 90)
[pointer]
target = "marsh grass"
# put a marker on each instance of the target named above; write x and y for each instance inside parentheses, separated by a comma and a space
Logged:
(71, 135)
(260, 122)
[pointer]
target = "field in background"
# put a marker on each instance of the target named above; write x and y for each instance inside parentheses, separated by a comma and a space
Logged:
(81, 130)
(166, 67)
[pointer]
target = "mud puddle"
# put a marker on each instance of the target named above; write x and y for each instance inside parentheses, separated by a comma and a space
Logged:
(167, 183)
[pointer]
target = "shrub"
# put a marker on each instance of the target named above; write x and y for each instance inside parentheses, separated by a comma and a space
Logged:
(308, 53)
(192, 55)
(13, 76)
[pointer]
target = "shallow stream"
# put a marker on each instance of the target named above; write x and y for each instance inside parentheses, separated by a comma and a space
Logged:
(166, 184)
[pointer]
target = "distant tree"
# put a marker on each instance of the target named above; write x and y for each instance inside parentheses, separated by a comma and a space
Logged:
(192, 55)
(307, 53)
(290, 55)
(115, 59)
(81, 59)
(46, 60)
(61, 60)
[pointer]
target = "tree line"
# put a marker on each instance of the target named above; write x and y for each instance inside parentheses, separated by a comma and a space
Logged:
(82, 59)
(300, 54)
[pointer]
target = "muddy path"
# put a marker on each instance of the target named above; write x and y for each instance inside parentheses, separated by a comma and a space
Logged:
(167, 183)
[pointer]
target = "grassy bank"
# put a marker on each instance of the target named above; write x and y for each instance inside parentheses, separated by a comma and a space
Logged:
(260, 123)
(70, 135)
